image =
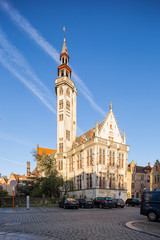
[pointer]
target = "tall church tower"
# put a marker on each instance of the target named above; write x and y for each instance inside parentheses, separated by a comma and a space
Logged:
(66, 93)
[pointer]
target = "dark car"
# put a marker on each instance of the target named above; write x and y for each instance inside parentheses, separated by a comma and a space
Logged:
(118, 203)
(69, 203)
(85, 203)
(133, 202)
(103, 202)
(150, 205)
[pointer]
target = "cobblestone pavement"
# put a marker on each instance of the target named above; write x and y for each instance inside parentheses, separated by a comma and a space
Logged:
(55, 223)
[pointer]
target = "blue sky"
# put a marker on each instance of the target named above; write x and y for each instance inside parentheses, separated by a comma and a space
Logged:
(115, 56)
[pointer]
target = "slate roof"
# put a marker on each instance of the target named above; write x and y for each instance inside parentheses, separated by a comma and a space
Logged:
(140, 169)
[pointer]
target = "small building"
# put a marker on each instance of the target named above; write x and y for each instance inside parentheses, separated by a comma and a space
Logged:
(138, 180)
(155, 176)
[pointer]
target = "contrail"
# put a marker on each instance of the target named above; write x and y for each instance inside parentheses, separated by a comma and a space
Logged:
(8, 160)
(48, 48)
(14, 61)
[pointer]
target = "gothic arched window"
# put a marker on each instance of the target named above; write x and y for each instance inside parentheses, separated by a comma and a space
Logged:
(61, 91)
(68, 105)
(61, 104)
(68, 92)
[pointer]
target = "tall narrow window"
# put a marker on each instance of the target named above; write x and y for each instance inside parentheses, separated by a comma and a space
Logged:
(68, 92)
(91, 157)
(68, 135)
(68, 105)
(104, 156)
(60, 117)
(100, 156)
(61, 104)
(113, 162)
(61, 91)
(100, 180)
(110, 158)
(87, 180)
(90, 179)
(104, 181)
(62, 73)
(63, 60)
(110, 180)
(61, 147)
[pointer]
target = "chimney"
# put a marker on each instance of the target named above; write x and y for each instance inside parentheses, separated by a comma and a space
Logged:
(28, 168)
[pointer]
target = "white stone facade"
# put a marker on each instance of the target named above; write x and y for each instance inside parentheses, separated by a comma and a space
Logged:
(96, 161)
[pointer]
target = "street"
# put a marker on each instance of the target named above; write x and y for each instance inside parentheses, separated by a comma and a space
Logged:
(67, 224)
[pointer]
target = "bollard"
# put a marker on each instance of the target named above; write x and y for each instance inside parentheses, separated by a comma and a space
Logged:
(27, 202)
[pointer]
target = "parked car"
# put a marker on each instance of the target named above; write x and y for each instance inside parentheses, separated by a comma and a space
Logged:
(150, 205)
(133, 202)
(103, 202)
(69, 203)
(118, 203)
(85, 202)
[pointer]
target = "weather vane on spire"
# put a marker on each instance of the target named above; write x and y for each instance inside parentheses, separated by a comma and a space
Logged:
(111, 106)
(64, 29)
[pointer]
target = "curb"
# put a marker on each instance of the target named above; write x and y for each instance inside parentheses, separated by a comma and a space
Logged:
(130, 225)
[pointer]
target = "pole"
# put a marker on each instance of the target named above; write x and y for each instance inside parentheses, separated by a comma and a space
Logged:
(13, 198)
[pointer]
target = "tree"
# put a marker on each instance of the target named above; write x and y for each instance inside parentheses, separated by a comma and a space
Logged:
(3, 193)
(51, 182)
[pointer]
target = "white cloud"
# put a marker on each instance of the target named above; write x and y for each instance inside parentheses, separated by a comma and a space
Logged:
(48, 48)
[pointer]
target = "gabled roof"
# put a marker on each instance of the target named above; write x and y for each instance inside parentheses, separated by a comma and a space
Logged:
(4, 180)
(140, 169)
(45, 150)
(91, 133)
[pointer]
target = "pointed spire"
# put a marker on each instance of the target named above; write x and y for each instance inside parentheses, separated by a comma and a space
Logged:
(111, 107)
(96, 129)
(64, 49)
(124, 137)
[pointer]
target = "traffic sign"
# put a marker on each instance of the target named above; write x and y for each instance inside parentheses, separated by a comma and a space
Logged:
(1, 188)
(13, 183)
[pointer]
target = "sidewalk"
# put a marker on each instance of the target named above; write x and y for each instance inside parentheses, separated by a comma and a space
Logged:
(145, 226)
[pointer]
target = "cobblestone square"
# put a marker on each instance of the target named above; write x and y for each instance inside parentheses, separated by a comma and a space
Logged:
(55, 223)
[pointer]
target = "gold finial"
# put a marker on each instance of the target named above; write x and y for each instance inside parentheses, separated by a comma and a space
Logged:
(64, 29)
(111, 106)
